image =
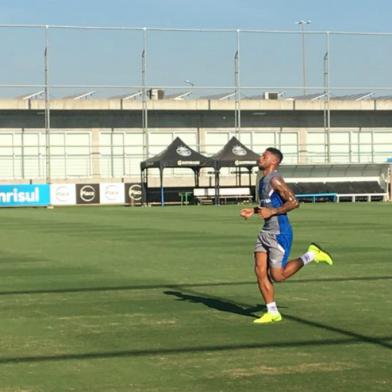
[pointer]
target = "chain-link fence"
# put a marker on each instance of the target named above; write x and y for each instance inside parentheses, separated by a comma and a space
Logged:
(47, 69)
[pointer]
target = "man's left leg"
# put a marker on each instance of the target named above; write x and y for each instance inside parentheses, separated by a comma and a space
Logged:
(280, 273)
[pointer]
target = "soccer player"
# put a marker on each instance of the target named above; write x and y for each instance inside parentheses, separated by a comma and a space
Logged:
(274, 240)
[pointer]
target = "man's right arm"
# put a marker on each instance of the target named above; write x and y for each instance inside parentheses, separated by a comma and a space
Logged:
(247, 213)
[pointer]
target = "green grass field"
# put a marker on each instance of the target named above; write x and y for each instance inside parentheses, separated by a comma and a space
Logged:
(162, 299)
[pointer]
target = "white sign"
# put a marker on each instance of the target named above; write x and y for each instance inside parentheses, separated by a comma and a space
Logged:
(112, 193)
(62, 194)
(247, 163)
(188, 163)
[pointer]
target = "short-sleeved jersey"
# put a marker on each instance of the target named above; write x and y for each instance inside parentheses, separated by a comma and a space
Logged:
(269, 198)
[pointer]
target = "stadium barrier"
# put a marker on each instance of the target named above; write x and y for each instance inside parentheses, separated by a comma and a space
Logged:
(338, 197)
(43, 195)
(317, 196)
(354, 197)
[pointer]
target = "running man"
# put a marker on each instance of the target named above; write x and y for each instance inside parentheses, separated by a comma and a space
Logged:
(274, 240)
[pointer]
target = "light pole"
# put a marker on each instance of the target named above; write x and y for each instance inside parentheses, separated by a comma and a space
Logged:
(302, 23)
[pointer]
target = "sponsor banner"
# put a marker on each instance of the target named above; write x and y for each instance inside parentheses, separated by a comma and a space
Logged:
(87, 193)
(62, 194)
(21, 195)
(112, 193)
(133, 193)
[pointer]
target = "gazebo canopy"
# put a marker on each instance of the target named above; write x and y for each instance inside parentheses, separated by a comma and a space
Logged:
(235, 154)
(177, 154)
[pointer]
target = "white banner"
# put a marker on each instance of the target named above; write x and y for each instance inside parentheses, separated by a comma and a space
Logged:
(112, 193)
(62, 194)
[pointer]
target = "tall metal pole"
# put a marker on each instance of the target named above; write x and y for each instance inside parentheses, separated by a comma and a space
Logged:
(325, 111)
(237, 88)
(302, 23)
(303, 57)
(47, 108)
(112, 153)
(328, 62)
(23, 153)
(144, 97)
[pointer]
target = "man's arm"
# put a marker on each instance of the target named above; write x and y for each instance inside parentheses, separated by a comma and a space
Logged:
(290, 202)
(247, 213)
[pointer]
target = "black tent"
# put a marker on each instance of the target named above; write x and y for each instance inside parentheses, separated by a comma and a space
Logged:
(234, 154)
(176, 155)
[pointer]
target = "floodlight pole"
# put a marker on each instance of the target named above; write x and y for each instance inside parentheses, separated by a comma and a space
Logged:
(144, 97)
(302, 23)
(327, 68)
(47, 108)
(325, 98)
(237, 114)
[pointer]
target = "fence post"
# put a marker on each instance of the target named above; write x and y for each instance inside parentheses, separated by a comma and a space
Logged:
(47, 107)
(144, 103)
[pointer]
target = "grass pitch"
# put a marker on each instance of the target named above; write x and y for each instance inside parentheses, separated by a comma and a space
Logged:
(162, 299)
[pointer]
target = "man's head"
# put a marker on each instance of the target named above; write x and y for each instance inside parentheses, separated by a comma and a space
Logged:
(271, 157)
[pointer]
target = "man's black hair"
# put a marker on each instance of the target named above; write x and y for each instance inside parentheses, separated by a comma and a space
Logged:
(276, 152)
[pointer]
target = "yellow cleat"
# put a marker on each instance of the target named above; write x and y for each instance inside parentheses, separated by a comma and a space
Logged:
(320, 255)
(268, 318)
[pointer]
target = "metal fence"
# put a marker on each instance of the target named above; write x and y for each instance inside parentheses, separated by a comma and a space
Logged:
(88, 61)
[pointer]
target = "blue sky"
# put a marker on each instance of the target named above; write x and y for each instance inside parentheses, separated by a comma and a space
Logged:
(369, 15)
(81, 57)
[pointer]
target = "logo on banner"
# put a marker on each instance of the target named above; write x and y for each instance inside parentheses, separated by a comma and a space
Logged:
(135, 192)
(24, 195)
(62, 194)
(112, 193)
(17, 196)
(183, 151)
(87, 193)
(239, 151)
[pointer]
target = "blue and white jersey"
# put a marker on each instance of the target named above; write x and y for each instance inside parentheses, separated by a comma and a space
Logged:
(269, 198)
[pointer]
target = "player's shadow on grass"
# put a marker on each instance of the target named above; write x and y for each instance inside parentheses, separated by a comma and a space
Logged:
(218, 304)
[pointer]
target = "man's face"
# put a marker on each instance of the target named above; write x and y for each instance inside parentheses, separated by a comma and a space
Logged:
(266, 159)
